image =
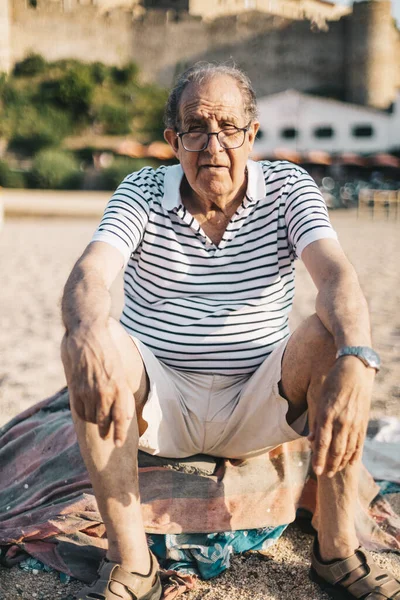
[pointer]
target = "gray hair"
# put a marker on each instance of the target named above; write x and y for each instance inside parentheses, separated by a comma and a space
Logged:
(199, 73)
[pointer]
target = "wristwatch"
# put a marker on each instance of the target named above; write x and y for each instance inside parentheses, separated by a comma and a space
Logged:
(369, 357)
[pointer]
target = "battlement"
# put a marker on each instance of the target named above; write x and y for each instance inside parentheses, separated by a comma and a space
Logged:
(313, 10)
(206, 9)
(20, 7)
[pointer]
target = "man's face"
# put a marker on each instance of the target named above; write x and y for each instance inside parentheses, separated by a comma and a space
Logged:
(214, 105)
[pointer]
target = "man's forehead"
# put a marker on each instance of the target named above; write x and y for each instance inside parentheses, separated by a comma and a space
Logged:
(219, 99)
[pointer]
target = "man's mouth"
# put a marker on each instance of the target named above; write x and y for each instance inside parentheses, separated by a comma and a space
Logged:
(213, 167)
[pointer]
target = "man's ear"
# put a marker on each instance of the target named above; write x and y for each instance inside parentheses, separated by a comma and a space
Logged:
(254, 127)
(172, 139)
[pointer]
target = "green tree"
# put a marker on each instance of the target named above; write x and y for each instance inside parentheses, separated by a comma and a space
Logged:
(33, 64)
(126, 74)
(114, 119)
(37, 128)
(10, 178)
(148, 106)
(55, 169)
(100, 72)
(73, 90)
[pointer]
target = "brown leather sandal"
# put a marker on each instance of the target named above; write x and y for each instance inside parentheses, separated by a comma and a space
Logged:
(354, 577)
(135, 584)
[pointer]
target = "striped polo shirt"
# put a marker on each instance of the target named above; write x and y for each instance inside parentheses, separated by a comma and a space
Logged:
(206, 308)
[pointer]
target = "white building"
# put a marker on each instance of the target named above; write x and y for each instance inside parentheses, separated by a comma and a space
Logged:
(301, 122)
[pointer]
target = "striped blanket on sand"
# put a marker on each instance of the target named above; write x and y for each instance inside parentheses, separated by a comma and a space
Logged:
(47, 507)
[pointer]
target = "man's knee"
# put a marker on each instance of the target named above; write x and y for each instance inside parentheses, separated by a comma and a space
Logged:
(320, 342)
(309, 354)
(310, 344)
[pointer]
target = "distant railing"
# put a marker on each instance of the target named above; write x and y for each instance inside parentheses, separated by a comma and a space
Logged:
(385, 202)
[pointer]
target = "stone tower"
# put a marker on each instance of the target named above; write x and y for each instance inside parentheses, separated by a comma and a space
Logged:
(5, 53)
(372, 54)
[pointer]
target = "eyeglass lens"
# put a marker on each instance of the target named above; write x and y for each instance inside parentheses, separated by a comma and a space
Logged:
(198, 140)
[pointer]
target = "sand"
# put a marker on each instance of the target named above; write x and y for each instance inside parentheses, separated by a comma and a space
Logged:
(36, 256)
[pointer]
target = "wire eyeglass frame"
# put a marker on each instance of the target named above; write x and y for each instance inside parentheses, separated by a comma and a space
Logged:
(181, 135)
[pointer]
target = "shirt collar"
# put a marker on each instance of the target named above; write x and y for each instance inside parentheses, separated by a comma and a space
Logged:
(173, 177)
(256, 183)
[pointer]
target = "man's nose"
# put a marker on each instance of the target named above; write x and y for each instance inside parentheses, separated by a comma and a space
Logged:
(213, 145)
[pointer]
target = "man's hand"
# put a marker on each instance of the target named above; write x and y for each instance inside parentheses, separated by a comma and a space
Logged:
(97, 381)
(338, 432)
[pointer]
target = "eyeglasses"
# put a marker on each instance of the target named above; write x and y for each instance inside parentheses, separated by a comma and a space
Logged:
(229, 138)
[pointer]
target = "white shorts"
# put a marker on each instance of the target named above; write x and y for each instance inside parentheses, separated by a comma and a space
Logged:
(233, 416)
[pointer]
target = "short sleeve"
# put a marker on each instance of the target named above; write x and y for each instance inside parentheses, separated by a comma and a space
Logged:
(306, 214)
(126, 214)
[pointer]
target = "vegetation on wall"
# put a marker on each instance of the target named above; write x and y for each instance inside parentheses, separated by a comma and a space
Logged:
(42, 103)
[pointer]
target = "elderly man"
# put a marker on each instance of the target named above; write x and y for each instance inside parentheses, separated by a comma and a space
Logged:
(202, 360)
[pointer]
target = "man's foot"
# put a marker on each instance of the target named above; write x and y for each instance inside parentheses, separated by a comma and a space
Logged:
(355, 577)
(115, 583)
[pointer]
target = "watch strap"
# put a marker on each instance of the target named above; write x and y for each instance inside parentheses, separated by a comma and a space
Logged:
(367, 355)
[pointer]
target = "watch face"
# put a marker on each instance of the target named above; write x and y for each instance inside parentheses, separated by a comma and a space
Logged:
(371, 357)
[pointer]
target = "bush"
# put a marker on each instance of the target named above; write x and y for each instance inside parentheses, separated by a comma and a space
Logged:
(99, 72)
(73, 91)
(111, 177)
(33, 64)
(127, 74)
(30, 143)
(12, 96)
(55, 169)
(149, 109)
(37, 129)
(10, 178)
(76, 90)
(66, 64)
(114, 119)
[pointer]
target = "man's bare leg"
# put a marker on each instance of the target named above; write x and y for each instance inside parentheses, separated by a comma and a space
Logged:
(308, 357)
(114, 472)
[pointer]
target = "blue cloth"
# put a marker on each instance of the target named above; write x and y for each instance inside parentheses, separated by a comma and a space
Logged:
(388, 487)
(209, 554)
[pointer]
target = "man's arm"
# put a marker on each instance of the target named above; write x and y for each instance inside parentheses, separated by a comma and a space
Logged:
(91, 360)
(86, 300)
(340, 424)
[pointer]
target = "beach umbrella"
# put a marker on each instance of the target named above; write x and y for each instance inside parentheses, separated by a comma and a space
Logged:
(160, 150)
(351, 159)
(384, 160)
(131, 148)
(316, 157)
(287, 154)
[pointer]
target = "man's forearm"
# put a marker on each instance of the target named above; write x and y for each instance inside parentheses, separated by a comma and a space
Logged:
(86, 300)
(342, 308)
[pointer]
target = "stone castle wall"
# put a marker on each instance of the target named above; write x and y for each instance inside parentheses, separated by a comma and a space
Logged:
(86, 34)
(357, 59)
(277, 54)
(5, 49)
(373, 59)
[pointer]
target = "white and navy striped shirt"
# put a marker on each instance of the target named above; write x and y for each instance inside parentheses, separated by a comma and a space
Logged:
(200, 307)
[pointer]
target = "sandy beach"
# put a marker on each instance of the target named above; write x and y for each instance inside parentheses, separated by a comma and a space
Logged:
(36, 256)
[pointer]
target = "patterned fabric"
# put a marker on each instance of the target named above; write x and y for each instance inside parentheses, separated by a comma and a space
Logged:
(209, 554)
(47, 507)
(206, 308)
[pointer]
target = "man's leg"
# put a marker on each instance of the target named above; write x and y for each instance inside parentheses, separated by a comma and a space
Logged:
(309, 355)
(114, 472)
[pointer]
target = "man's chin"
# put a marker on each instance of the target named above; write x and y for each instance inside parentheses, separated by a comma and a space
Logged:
(214, 172)
(210, 176)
